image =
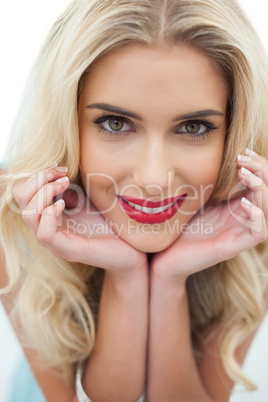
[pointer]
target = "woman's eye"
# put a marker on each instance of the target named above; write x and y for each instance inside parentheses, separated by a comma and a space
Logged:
(196, 128)
(116, 125)
(113, 124)
(193, 128)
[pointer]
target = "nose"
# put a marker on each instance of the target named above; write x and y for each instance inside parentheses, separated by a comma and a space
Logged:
(153, 169)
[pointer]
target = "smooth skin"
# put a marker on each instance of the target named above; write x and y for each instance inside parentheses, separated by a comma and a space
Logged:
(144, 329)
(153, 156)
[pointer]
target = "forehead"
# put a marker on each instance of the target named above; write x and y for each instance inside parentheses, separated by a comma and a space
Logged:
(180, 76)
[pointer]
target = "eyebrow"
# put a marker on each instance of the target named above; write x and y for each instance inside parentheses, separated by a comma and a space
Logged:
(124, 112)
(114, 109)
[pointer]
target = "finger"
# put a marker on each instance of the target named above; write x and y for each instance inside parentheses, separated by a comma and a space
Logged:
(259, 195)
(41, 200)
(66, 244)
(257, 164)
(49, 224)
(24, 190)
(256, 220)
(73, 248)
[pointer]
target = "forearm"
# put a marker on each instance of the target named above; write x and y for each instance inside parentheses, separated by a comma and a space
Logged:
(117, 366)
(173, 374)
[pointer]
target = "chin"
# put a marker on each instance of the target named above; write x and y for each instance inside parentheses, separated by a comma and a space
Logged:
(151, 244)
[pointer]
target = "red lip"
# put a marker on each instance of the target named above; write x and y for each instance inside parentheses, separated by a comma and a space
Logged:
(143, 217)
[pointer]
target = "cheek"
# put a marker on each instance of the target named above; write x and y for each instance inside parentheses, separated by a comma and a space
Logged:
(206, 163)
(205, 173)
(101, 188)
(201, 178)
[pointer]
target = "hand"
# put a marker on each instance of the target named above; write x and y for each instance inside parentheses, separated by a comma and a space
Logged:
(225, 230)
(49, 222)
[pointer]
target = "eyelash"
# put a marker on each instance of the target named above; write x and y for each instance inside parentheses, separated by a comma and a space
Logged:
(195, 136)
(97, 122)
(202, 122)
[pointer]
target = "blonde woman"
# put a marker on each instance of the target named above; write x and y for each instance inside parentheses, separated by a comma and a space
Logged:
(133, 215)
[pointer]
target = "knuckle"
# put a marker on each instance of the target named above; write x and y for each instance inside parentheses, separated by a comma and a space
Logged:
(19, 197)
(260, 214)
(19, 193)
(51, 187)
(69, 258)
(261, 227)
(263, 235)
(259, 182)
(255, 181)
(28, 215)
(14, 191)
(47, 191)
(258, 163)
(55, 253)
(43, 235)
(62, 253)
(48, 176)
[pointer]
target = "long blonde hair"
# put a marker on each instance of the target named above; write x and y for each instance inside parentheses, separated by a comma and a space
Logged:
(57, 301)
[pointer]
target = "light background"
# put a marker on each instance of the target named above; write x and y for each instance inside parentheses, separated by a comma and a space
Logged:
(23, 26)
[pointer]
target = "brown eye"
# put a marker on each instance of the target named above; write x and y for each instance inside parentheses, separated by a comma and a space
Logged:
(196, 129)
(192, 128)
(116, 125)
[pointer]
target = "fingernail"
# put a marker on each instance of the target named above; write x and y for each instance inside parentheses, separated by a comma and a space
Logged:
(59, 202)
(246, 202)
(245, 159)
(62, 180)
(251, 153)
(246, 172)
(61, 169)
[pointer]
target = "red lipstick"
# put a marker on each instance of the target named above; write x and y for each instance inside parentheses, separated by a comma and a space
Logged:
(145, 211)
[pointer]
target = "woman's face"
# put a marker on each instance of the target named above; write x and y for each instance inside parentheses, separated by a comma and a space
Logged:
(152, 125)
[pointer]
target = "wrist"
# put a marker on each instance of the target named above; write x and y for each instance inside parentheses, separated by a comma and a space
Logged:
(128, 282)
(132, 269)
(167, 290)
(164, 277)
